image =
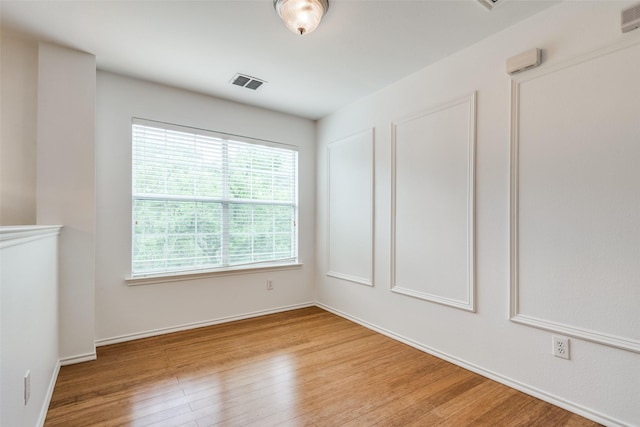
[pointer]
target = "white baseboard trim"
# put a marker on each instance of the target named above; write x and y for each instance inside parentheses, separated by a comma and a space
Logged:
(194, 325)
(72, 360)
(48, 395)
(532, 391)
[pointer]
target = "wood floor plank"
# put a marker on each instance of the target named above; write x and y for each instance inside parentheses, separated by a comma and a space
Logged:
(303, 367)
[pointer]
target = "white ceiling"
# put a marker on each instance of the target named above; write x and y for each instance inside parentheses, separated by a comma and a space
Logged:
(360, 47)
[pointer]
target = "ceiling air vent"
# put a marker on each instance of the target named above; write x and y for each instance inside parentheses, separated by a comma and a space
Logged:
(488, 3)
(247, 81)
(631, 18)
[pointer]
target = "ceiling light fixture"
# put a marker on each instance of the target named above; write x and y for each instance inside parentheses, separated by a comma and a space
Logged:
(301, 16)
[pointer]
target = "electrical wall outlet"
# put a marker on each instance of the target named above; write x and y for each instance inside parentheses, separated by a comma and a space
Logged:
(560, 346)
(27, 387)
(269, 284)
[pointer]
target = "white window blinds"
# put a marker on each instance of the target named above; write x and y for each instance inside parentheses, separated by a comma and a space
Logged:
(202, 201)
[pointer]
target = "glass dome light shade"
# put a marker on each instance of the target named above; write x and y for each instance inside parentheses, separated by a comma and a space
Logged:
(301, 16)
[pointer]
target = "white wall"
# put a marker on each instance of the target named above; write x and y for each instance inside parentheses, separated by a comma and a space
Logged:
(66, 186)
(28, 321)
(124, 311)
(19, 83)
(599, 381)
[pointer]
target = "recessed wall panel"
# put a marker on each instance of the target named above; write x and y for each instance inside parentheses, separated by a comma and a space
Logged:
(433, 205)
(575, 201)
(350, 200)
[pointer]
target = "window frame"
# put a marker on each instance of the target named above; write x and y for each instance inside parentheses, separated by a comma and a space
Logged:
(232, 269)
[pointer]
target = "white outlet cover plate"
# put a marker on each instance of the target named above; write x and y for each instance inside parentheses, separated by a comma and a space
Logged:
(561, 346)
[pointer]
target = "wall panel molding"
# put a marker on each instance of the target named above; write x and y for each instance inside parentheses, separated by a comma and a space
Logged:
(573, 219)
(433, 204)
(350, 198)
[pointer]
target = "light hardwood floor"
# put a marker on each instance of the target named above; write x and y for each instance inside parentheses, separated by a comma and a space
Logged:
(304, 367)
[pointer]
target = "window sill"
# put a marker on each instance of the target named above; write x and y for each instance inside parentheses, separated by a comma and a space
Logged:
(229, 271)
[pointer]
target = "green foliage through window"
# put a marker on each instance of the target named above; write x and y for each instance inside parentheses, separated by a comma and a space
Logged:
(201, 201)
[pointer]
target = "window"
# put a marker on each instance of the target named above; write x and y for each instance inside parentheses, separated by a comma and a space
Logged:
(206, 201)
